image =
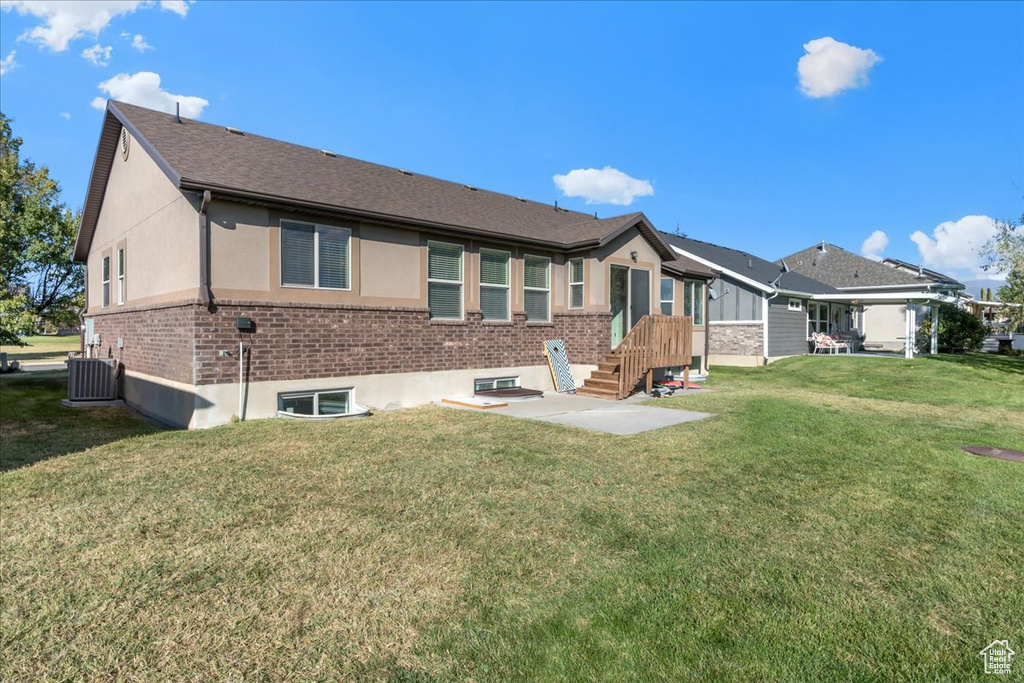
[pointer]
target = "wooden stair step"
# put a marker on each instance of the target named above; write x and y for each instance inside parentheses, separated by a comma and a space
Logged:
(596, 393)
(603, 374)
(608, 366)
(610, 384)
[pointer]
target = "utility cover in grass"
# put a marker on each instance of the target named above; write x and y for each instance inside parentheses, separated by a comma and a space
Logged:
(1001, 453)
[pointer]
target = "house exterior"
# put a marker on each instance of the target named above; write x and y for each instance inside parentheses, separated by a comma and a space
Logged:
(365, 283)
(759, 311)
(889, 296)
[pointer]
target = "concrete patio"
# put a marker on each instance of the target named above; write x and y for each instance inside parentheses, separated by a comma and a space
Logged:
(612, 417)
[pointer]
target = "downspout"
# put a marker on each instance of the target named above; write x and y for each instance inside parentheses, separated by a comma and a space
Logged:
(204, 251)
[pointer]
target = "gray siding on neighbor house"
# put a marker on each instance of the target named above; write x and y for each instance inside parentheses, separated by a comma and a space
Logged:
(787, 330)
(736, 301)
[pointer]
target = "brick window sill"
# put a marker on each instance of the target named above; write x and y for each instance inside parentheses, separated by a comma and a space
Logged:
(453, 323)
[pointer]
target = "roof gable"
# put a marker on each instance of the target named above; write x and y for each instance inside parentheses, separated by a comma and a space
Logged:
(841, 268)
(231, 164)
(764, 274)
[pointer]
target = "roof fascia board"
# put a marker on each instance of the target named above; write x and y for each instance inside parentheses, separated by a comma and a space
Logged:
(880, 298)
(724, 271)
(923, 287)
(793, 292)
(644, 226)
(286, 204)
(164, 165)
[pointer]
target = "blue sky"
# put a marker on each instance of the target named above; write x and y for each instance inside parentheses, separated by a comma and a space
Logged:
(908, 121)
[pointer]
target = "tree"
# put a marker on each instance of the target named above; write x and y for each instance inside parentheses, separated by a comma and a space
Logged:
(959, 331)
(1005, 253)
(39, 284)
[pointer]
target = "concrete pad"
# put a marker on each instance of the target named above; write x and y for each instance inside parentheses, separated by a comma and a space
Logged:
(595, 414)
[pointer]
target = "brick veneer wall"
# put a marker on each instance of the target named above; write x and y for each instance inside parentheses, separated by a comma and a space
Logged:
(736, 340)
(302, 341)
(181, 342)
(158, 340)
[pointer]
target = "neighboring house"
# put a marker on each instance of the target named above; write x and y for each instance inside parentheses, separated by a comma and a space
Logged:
(758, 311)
(890, 295)
(365, 283)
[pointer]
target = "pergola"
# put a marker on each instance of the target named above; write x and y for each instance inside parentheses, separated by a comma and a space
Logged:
(911, 301)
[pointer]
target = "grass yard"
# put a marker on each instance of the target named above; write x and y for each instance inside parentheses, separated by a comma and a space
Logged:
(825, 525)
(43, 348)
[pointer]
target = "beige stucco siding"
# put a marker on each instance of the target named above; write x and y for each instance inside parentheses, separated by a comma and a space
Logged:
(239, 247)
(884, 324)
(390, 263)
(619, 252)
(157, 226)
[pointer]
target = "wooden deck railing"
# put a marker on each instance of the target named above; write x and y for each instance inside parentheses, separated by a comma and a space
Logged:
(657, 341)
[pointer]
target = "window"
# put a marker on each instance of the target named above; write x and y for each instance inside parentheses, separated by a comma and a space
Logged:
(314, 256)
(537, 288)
(668, 295)
(313, 403)
(495, 383)
(120, 276)
(444, 280)
(576, 283)
(106, 281)
(796, 305)
(693, 300)
(494, 284)
(817, 316)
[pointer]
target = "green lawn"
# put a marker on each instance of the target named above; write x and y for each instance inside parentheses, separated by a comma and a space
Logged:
(42, 348)
(825, 525)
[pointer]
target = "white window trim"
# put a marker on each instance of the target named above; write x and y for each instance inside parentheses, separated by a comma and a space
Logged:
(461, 281)
(316, 254)
(315, 393)
(506, 287)
(493, 381)
(799, 305)
(105, 282)
(581, 283)
(546, 290)
(667, 301)
(120, 276)
(690, 285)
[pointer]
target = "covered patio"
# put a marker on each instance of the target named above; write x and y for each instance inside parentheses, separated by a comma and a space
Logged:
(911, 303)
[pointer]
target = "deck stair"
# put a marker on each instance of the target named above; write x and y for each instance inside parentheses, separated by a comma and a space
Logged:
(656, 341)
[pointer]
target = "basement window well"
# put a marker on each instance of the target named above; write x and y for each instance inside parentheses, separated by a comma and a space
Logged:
(495, 383)
(326, 404)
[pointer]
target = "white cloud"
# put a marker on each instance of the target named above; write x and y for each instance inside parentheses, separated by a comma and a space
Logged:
(97, 54)
(602, 186)
(8, 63)
(954, 245)
(874, 245)
(143, 88)
(65, 115)
(140, 44)
(179, 7)
(830, 67)
(65, 21)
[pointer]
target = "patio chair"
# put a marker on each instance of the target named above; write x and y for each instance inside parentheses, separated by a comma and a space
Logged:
(839, 344)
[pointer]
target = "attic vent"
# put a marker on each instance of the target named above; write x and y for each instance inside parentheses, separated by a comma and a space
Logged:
(470, 187)
(125, 143)
(404, 172)
(233, 131)
(328, 153)
(520, 199)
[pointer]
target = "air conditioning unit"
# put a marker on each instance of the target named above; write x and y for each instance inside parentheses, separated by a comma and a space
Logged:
(92, 379)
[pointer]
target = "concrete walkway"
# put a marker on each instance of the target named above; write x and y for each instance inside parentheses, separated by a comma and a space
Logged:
(612, 417)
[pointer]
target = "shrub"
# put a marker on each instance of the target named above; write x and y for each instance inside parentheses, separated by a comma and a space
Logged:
(959, 331)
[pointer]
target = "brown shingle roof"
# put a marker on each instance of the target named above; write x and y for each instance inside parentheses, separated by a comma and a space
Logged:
(201, 156)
